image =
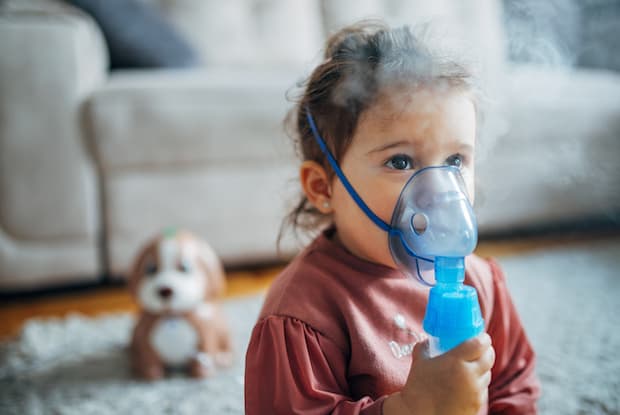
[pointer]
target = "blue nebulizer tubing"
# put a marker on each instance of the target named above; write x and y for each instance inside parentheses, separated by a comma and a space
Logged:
(433, 229)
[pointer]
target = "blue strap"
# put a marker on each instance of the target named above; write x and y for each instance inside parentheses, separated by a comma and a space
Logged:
(332, 161)
(362, 205)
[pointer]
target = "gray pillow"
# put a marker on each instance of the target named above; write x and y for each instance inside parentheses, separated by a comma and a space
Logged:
(137, 35)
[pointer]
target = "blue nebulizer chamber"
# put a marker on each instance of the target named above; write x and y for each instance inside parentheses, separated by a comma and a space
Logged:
(453, 312)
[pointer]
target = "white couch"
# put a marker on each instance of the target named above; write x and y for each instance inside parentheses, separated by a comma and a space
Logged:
(92, 163)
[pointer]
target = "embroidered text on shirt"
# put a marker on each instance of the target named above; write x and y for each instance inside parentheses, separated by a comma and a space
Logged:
(401, 350)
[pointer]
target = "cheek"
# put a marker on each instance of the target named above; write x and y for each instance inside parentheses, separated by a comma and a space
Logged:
(357, 232)
(384, 207)
(380, 199)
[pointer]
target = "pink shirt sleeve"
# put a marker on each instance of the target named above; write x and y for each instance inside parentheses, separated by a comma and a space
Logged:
(293, 369)
(514, 386)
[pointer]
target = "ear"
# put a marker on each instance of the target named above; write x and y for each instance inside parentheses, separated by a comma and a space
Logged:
(315, 183)
(214, 272)
(137, 269)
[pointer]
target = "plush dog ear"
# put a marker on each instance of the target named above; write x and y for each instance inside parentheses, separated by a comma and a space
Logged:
(147, 252)
(209, 261)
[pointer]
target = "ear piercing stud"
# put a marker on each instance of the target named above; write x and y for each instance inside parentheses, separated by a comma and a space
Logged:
(326, 205)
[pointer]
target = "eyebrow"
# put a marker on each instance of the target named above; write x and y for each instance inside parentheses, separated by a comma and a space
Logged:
(389, 146)
(461, 146)
(466, 148)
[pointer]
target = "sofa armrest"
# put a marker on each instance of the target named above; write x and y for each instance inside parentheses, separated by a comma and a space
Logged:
(52, 57)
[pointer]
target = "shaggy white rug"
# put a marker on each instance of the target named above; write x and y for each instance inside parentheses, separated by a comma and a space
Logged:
(568, 300)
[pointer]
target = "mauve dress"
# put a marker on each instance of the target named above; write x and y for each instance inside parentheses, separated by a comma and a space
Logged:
(336, 332)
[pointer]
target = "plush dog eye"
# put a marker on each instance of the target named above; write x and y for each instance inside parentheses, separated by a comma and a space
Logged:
(184, 266)
(151, 268)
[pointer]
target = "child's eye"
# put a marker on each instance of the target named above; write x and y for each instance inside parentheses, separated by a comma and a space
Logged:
(455, 160)
(400, 162)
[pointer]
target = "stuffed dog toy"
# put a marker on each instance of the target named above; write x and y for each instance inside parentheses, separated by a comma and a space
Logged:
(176, 281)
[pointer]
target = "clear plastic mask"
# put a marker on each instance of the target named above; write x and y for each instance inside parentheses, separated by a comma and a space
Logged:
(433, 217)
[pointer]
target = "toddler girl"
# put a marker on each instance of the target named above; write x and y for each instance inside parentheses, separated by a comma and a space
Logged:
(341, 328)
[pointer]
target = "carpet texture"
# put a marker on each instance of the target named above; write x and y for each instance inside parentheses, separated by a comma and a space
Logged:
(567, 298)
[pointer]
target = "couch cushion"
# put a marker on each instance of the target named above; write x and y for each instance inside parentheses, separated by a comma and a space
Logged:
(237, 207)
(167, 118)
(557, 160)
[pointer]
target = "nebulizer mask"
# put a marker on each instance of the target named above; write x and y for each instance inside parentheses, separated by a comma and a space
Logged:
(432, 230)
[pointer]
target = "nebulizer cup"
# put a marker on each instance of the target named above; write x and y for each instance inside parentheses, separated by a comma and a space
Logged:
(433, 230)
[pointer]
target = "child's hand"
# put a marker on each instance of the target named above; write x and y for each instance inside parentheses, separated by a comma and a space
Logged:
(455, 383)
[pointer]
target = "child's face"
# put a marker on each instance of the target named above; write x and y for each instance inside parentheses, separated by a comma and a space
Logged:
(400, 134)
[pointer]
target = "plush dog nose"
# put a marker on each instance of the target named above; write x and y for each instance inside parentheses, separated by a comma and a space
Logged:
(165, 292)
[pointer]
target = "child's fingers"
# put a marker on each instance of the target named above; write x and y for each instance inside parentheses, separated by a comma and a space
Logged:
(485, 380)
(486, 361)
(421, 350)
(484, 394)
(473, 349)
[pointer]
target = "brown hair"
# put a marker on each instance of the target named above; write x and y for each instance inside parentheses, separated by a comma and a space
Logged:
(360, 61)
